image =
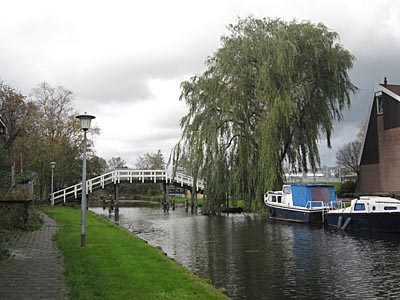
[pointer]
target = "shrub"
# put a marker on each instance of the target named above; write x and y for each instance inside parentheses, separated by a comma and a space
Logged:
(16, 218)
(347, 187)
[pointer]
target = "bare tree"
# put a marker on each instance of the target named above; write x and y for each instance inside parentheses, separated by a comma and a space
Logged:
(347, 156)
(151, 161)
(16, 112)
(56, 111)
(116, 163)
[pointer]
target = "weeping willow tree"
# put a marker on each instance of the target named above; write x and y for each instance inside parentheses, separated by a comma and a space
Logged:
(268, 96)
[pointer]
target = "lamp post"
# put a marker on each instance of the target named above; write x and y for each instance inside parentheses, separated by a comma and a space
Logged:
(85, 125)
(52, 165)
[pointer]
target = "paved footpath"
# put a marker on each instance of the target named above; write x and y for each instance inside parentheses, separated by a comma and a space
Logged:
(36, 268)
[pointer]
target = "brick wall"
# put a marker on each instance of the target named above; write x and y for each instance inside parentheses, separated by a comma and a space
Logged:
(389, 157)
(369, 181)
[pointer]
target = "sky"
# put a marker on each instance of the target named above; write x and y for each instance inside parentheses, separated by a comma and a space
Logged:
(125, 60)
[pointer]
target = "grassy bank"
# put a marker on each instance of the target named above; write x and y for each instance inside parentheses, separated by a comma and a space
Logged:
(117, 265)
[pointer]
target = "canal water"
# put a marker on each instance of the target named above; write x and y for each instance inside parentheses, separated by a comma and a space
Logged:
(253, 257)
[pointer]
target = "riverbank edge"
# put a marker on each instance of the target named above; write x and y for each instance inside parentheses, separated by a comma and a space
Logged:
(131, 270)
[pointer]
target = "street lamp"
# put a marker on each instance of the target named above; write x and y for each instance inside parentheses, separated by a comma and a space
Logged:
(52, 165)
(85, 125)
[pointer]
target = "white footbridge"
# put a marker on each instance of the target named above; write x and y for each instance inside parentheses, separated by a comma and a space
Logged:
(129, 176)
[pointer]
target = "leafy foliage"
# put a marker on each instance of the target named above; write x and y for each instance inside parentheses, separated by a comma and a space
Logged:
(96, 166)
(151, 161)
(269, 94)
(116, 163)
(347, 187)
(16, 112)
(42, 128)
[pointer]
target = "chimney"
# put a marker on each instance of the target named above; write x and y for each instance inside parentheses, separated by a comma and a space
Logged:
(385, 82)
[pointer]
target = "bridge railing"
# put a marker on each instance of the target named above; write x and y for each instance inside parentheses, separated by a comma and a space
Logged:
(184, 180)
(127, 175)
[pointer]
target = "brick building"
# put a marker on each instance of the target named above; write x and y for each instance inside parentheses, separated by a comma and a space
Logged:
(380, 153)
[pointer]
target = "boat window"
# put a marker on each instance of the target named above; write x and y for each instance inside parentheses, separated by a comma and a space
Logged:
(273, 198)
(390, 208)
(359, 206)
(279, 199)
(287, 190)
(373, 207)
(320, 194)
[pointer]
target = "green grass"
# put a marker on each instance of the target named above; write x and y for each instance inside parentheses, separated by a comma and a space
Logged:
(115, 264)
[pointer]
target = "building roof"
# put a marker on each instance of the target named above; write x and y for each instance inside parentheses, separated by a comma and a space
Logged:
(395, 88)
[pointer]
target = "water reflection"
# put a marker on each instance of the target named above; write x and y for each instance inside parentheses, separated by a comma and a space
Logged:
(255, 258)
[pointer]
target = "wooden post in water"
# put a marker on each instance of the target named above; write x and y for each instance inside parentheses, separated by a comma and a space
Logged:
(116, 201)
(227, 203)
(187, 195)
(194, 201)
(103, 201)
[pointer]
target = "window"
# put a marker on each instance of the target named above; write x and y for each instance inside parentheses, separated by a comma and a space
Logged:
(390, 208)
(273, 198)
(279, 199)
(359, 206)
(379, 105)
(287, 190)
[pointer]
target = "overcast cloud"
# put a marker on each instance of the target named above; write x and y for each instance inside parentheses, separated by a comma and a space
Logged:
(125, 60)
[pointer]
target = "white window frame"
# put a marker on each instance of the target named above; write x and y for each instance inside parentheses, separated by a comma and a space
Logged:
(379, 105)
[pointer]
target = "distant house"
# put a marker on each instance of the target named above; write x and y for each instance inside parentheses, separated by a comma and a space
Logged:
(380, 153)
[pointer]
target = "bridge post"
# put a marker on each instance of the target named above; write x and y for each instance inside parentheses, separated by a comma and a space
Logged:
(188, 195)
(116, 201)
(166, 197)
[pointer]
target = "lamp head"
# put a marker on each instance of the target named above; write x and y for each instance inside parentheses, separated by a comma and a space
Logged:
(52, 164)
(85, 121)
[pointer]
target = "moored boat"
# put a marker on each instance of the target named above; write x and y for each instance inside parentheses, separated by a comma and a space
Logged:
(305, 203)
(368, 213)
